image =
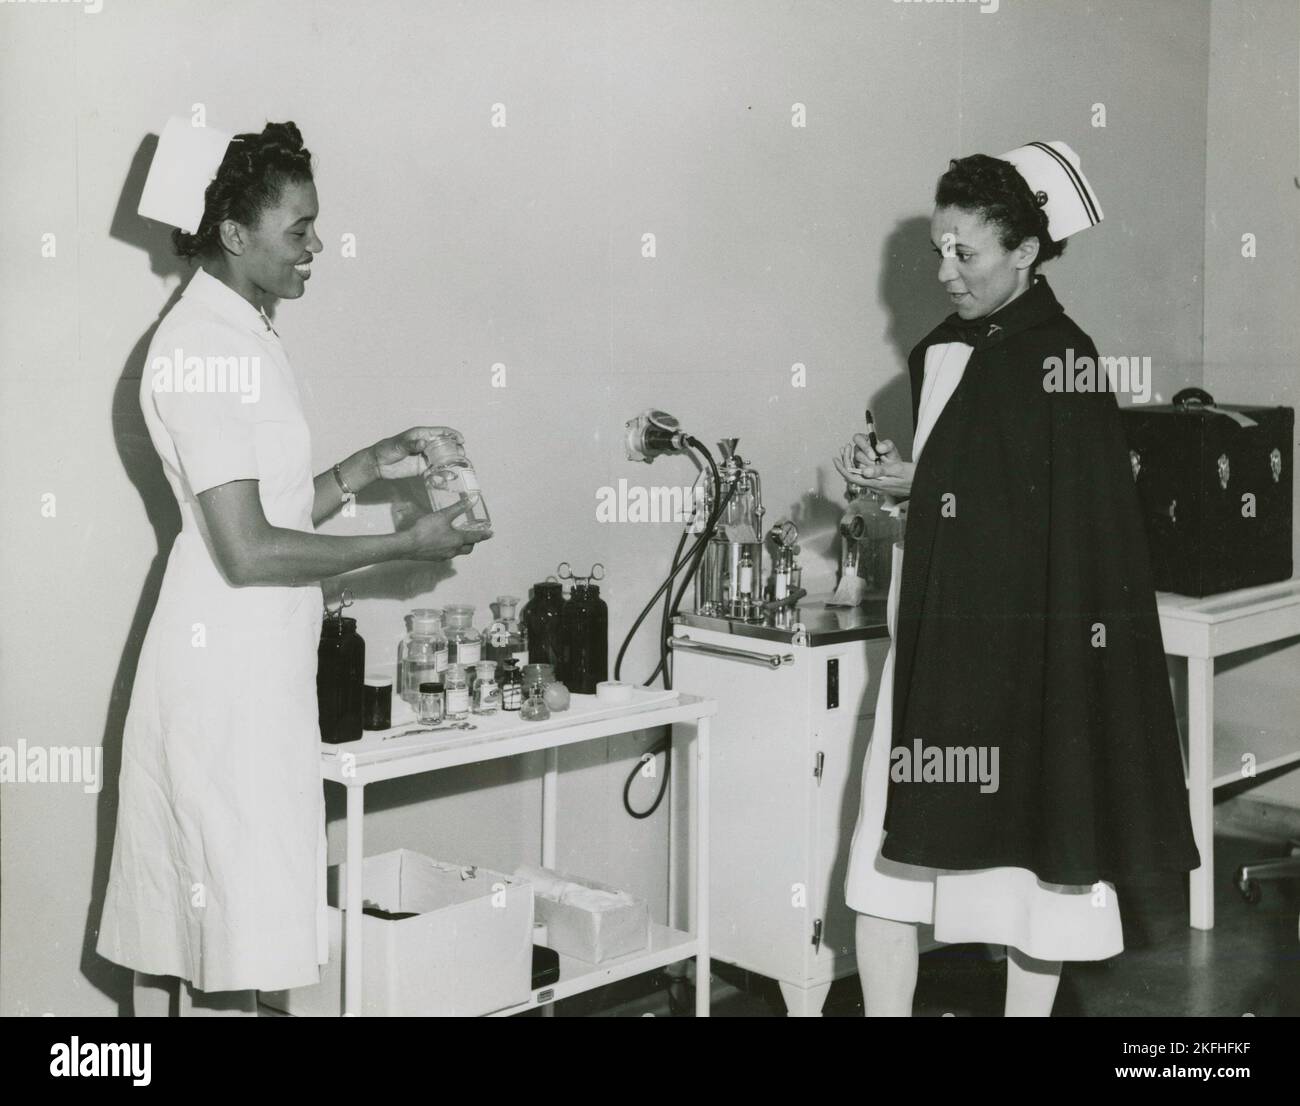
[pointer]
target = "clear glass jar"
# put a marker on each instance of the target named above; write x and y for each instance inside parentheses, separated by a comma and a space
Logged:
(505, 638)
(430, 704)
(486, 696)
(451, 480)
(455, 684)
(536, 677)
(535, 708)
(464, 643)
(422, 656)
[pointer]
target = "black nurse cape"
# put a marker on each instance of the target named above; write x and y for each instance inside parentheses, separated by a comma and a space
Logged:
(1024, 553)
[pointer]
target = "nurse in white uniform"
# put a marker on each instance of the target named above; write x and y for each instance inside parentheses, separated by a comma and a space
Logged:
(218, 868)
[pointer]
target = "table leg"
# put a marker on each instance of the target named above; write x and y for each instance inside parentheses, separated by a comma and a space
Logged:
(673, 766)
(352, 950)
(700, 840)
(1200, 790)
(550, 812)
(550, 791)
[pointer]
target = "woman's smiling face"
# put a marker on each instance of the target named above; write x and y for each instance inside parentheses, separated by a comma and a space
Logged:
(976, 270)
(275, 256)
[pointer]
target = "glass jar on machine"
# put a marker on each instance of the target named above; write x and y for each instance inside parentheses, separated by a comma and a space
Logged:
(730, 580)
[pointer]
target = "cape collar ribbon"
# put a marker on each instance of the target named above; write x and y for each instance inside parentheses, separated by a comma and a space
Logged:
(1036, 304)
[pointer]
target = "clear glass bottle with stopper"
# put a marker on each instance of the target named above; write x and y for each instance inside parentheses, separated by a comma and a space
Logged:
(505, 638)
(455, 685)
(486, 698)
(451, 479)
(422, 656)
(464, 643)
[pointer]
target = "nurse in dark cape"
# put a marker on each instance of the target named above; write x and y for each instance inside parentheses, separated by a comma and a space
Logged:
(1025, 755)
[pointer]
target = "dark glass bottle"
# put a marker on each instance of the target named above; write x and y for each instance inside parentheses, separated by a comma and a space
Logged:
(512, 685)
(585, 640)
(340, 680)
(543, 617)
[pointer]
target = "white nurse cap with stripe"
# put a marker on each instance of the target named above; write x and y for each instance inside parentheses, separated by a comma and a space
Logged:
(1051, 169)
(184, 164)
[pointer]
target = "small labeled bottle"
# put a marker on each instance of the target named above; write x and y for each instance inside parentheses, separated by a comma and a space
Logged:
(451, 480)
(429, 706)
(487, 696)
(456, 690)
(512, 685)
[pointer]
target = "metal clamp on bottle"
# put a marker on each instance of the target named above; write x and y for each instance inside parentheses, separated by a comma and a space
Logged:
(746, 656)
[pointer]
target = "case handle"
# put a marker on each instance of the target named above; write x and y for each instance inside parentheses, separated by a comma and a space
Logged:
(1198, 399)
(1193, 397)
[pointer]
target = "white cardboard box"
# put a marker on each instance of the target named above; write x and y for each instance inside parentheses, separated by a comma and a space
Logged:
(469, 950)
(593, 936)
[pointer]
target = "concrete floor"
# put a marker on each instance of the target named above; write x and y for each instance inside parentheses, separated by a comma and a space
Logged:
(1248, 964)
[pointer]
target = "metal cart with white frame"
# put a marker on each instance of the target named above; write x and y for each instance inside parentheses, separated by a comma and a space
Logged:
(505, 735)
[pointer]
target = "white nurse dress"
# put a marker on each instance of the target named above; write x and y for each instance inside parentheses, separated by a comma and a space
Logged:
(218, 869)
(1001, 906)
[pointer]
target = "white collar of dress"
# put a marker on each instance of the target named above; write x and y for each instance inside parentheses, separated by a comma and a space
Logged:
(225, 301)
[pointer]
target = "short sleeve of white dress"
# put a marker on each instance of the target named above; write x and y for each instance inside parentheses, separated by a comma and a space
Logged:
(213, 431)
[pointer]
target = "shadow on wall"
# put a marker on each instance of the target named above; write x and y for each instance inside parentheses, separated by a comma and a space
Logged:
(143, 468)
(914, 304)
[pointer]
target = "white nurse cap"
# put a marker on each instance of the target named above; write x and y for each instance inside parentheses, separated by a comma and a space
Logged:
(184, 164)
(1051, 169)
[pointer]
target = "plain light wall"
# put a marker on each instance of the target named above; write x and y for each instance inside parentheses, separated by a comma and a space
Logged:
(1251, 324)
(521, 245)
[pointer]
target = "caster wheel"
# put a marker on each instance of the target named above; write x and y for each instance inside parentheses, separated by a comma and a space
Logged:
(1249, 890)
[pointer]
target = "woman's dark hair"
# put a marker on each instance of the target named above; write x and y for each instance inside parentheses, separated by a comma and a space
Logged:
(996, 191)
(251, 177)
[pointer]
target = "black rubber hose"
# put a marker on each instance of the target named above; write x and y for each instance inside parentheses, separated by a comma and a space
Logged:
(693, 558)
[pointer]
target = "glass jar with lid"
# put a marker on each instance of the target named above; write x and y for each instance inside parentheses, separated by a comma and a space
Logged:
(464, 643)
(505, 637)
(451, 480)
(422, 656)
(430, 704)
